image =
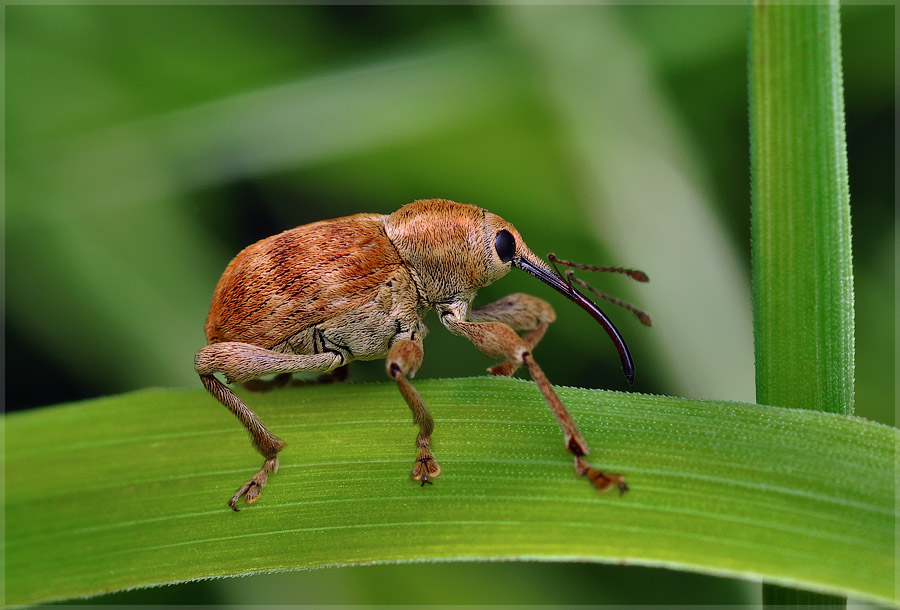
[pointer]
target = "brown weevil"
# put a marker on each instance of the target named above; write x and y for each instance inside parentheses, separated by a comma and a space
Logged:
(319, 296)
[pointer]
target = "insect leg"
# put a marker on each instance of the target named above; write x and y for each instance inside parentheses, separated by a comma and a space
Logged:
(403, 360)
(498, 340)
(520, 312)
(575, 443)
(242, 362)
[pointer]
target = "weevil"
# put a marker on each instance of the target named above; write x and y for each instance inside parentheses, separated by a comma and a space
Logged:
(316, 297)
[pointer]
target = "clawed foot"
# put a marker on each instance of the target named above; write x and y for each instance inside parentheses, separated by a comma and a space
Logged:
(253, 487)
(603, 481)
(426, 468)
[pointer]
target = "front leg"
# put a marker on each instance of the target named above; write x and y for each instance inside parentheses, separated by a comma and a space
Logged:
(403, 360)
(519, 311)
(498, 340)
(575, 442)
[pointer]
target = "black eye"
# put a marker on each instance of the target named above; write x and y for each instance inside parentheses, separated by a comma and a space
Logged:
(505, 244)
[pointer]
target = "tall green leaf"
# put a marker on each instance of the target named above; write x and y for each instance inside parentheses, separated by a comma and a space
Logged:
(802, 270)
(131, 491)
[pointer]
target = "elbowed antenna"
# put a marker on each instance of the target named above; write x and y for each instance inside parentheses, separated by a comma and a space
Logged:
(556, 282)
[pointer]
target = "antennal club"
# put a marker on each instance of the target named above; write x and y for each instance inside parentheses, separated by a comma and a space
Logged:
(634, 274)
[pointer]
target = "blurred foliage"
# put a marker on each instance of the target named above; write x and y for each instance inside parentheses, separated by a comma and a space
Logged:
(145, 146)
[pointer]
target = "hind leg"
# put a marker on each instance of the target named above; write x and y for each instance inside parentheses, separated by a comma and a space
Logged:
(242, 362)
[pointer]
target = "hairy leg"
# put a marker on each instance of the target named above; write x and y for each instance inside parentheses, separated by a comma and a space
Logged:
(498, 340)
(241, 362)
(403, 360)
(520, 312)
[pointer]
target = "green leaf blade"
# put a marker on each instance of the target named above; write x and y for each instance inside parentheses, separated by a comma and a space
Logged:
(800, 221)
(802, 263)
(131, 491)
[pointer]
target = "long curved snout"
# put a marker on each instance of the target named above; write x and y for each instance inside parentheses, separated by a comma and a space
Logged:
(542, 271)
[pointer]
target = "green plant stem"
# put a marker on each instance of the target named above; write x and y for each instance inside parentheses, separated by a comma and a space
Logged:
(802, 270)
(131, 491)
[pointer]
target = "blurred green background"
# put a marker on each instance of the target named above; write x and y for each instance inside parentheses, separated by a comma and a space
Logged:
(145, 146)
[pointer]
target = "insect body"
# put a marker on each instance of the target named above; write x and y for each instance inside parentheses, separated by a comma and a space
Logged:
(316, 297)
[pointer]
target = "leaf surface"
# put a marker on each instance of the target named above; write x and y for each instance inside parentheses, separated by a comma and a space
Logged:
(131, 491)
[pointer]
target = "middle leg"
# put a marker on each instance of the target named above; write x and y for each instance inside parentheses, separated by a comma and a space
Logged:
(403, 360)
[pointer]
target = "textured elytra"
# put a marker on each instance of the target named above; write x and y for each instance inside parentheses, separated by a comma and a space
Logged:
(278, 291)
